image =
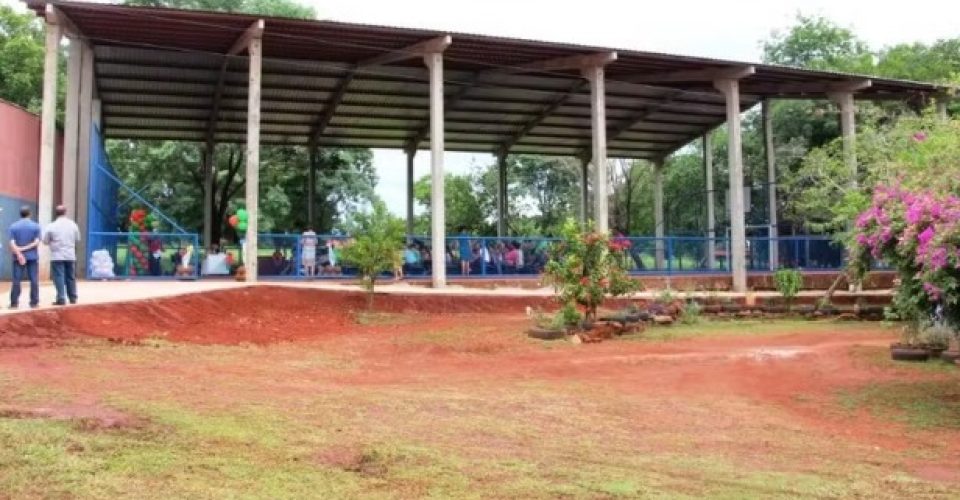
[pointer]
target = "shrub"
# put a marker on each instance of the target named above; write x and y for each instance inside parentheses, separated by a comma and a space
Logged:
(691, 313)
(376, 247)
(918, 233)
(789, 282)
(585, 268)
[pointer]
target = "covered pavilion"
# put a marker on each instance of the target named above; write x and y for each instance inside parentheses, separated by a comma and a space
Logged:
(210, 77)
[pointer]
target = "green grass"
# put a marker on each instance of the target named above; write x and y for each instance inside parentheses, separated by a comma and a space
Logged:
(920, 404)
(278, 422)
(752, 327)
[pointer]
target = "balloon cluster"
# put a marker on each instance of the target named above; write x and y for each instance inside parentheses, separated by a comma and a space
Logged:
(137, 240)
(238, 220)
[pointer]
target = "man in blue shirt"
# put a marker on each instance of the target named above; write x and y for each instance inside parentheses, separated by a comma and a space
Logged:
(24, 237)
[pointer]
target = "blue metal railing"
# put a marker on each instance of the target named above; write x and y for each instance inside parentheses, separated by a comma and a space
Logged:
(146, 255)
(281, 255)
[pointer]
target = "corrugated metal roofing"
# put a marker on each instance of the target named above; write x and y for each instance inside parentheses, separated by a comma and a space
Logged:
(157, 72)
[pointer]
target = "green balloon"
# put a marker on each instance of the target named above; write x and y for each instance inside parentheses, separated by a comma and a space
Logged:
(242, 226)
(242, 214)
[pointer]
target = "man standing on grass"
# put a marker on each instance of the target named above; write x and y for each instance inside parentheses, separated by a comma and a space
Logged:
(62, 236)
(24, 237)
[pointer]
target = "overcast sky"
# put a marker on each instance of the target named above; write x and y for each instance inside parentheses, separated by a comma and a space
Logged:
(722, 29)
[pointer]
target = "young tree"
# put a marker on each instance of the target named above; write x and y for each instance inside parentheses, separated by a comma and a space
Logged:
(376, 246)
(585, 268)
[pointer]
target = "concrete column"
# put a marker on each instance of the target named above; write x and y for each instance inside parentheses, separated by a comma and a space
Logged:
(942, 108)
(411, 154)
(598, 120)
(253, 156)
(312, 186)
(48, 140)
(209, 174)
(584, 191)
(730, 89)
(658, 212)
(434, 63)
(97, 111)
(844, 101)
(767, 117)
(87, 91)
(71, 126)
(501, 195)
(711, 202)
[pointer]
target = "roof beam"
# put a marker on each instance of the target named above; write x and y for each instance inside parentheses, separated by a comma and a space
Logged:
(54, 15)
(449, 102)
(804, 89)
(695, 75)
(549, 109)
(572, 62)
(616, 132)
(253, 32)
(577, 62)
(323, 121)
(433, 45)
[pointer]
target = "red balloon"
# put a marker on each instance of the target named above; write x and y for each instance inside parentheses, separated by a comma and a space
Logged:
(233, 220)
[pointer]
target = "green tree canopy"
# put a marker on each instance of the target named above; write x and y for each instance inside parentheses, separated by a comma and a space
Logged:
(21, 58)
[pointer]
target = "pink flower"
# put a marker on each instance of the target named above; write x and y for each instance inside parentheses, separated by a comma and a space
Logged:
(933, 291)
(914, 213)
(920, 136)
(926, 236)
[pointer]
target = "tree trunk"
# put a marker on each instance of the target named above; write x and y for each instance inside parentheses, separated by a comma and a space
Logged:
(825, 300)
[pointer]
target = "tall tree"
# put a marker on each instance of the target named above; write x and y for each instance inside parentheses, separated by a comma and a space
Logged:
(817, 43)
(21, 58)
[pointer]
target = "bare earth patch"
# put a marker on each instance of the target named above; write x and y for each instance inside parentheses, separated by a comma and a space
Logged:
(301, 399)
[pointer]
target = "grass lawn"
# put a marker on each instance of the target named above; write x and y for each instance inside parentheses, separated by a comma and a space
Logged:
(471, 410)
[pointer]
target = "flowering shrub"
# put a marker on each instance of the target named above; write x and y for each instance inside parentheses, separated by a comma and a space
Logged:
(585, 268)
(918, 233)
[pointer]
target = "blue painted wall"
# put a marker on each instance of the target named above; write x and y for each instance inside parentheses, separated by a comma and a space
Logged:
(9, 215)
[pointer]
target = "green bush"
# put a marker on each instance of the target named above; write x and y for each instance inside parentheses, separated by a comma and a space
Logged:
(789, 282)
(585, 268)
(691, 313)
(377, 245)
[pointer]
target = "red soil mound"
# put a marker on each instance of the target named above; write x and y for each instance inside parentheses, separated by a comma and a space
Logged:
(254, 315)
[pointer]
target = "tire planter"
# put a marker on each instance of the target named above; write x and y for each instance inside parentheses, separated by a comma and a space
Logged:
(546, 334)
(907, 353)
(936, 352)
(950, 356)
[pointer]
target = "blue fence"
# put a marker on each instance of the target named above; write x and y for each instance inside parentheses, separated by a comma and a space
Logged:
(145, 254)
(281, 256)
(149, 255)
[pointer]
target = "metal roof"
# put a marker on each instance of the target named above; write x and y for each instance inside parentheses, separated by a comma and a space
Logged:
(158, 71)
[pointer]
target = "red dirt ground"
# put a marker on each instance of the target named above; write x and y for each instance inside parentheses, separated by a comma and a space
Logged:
(253, 315)
(486, 344)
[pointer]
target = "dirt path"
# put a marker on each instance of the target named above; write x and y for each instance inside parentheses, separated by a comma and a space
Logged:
(732, 394)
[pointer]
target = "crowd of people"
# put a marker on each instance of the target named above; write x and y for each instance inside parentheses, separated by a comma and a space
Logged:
(474, 256)
(25, 237)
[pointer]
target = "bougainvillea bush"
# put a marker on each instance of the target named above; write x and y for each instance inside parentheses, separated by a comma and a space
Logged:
(587, 267)
(916, 231)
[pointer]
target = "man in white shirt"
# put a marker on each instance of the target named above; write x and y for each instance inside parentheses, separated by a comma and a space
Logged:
(308, 252)
(62, 236)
